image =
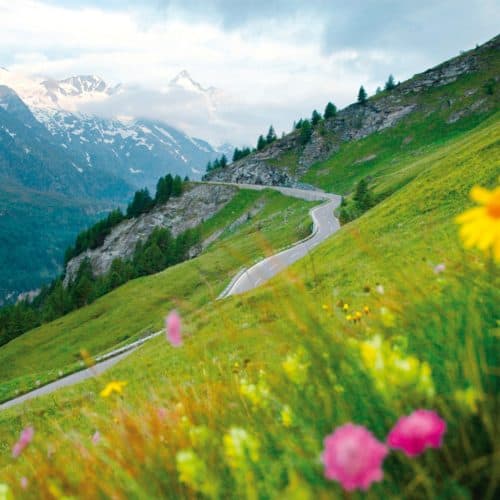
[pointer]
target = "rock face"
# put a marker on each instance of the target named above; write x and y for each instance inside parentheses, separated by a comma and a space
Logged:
(286, 160)
(178, 214)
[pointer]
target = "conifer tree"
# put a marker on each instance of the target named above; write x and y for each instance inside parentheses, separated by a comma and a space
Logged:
(261, 143)
(271, 135)
(330, 111)
(315, 118)
(362, 95)
(390, 84)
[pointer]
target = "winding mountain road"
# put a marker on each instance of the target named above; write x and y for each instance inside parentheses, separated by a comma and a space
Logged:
(324, 225)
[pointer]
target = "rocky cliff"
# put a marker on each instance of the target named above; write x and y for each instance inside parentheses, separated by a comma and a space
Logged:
(196, 205)
(286, 160)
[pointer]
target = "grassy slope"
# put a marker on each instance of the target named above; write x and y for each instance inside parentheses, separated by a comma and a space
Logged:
(139, 306)
(420, 132)
(396, 244)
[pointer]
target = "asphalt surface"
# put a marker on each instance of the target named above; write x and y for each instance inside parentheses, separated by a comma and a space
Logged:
(325, 224)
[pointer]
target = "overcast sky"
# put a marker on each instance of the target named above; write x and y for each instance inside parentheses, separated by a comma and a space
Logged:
(274, 60)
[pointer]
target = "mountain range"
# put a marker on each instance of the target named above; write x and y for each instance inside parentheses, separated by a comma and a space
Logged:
(51, 145)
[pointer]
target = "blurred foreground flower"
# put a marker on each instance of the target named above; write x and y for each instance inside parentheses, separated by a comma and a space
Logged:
(5, 493)
(481, 225)
(24, 440)
(392, 371)
(296, 367)
(416, 432)
(240, 447)
(173, 329)
(114, 386)
(353, 457)
(193, 472)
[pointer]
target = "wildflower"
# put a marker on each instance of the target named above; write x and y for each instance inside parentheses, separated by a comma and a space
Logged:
(240, 447)
(193, 472)
(388, 318)
(481, 225)
(23, 482)
(353, 457)
(349, 317)
(392, 370)
(366, 310)
(286, 416)
(24, 440)
(469, 398)
(258, 393)
(439, 268)
(357, 316)
(325, 307)
(5, 493)
(416, 432)
(345, 307)
(96, 438)
(380, 289)
(114, 386)
(173, 329)
(296, 367)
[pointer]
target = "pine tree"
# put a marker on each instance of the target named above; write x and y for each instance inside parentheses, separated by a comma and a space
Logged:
(271, 135)
(390, 84)
(362, 95)
(177, 186)
(305, 132)
(261, 143)
(330, 110)
(315, 118)
(223, 161)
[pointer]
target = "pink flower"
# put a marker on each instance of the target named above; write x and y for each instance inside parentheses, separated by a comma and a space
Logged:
(416, 432)
(24, 482)
(24, 440)
(440, 268)
(353, 456)
(173, 329)
(96, 438)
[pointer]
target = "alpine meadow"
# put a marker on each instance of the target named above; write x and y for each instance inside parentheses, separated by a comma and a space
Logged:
(195, 304)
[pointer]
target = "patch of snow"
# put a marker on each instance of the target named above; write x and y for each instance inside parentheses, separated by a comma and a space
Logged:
(134, 171)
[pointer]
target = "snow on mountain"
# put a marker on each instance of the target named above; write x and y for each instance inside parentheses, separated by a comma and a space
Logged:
(137, 150)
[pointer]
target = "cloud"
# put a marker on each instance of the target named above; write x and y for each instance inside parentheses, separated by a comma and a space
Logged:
(277, 60)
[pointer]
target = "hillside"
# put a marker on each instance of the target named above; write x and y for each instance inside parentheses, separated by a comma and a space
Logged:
(389, 316)
(426, 110)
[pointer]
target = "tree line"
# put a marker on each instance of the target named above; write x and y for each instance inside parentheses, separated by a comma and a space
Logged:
(306, 127)
(159, 251)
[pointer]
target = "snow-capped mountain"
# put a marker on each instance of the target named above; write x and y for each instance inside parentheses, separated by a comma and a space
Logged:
(137, 150)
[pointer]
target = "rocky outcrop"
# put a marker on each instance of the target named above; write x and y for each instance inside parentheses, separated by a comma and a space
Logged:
(285, 161)
(195, 206)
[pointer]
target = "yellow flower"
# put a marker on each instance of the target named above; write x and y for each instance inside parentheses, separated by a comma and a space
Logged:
(348, 317)
(366, 310)
(296, 367)
(481, 225)
(193, 472)
(286, 416)
(115, 386)
(5, 492)
(345, 307)
(239, 447)
(469, 398)
(325, 307)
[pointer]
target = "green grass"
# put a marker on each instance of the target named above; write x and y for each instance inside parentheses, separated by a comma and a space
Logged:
(139, 306)
(382, 156)
(447, 321)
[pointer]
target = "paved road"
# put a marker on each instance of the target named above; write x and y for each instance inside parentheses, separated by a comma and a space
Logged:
(325, 224)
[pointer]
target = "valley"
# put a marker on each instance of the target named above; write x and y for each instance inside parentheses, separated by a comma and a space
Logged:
(277, 332)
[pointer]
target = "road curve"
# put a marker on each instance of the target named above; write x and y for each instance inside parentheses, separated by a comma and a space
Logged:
(324, 225)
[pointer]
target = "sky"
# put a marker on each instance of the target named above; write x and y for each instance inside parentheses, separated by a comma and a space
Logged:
(272, 61)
